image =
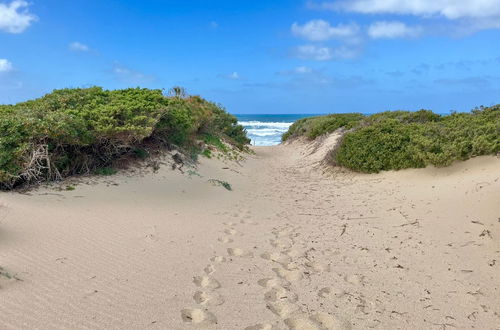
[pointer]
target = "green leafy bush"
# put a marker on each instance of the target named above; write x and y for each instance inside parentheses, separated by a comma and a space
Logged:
(394, 140)
(313, 127)
(397, 140)
(73, 131)
(105, 171)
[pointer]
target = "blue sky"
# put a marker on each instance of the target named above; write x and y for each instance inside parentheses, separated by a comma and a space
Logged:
(260, 56)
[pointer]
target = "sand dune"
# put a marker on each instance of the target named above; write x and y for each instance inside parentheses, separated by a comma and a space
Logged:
(295, 245)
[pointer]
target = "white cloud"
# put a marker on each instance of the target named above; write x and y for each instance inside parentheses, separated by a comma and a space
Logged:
(15, 17)
(127, 75)
(78, 47)
(232, 76)
(316, 53)
(323, 53)
(451, 9)
(300, 70)
(303, 70)
(320, 30)
(5, 65)
(394, 29)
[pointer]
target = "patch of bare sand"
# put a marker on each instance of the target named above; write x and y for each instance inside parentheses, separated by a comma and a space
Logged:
(293, 246)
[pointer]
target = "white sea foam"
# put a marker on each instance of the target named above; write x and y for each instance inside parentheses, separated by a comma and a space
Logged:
(265, 124)
(265, 133)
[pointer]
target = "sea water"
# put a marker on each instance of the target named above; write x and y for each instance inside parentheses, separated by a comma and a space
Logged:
(266, 130)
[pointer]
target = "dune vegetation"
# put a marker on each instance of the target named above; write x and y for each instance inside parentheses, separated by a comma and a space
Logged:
(396, 140)
(78, 131)
(312, 127)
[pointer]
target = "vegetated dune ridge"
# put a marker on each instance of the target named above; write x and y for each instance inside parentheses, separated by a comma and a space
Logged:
(294, 245)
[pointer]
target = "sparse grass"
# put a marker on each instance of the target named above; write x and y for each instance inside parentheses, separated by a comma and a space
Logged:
(70, 188)
(216, 142)
(7, 275)
(192, 173)
(224, 184)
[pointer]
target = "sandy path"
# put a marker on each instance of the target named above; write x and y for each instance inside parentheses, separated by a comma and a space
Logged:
(289, 247)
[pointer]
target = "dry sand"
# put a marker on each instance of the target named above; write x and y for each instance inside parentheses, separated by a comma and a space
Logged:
(294, 245)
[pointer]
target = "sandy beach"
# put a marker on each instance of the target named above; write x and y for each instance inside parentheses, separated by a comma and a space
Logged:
(296, 244)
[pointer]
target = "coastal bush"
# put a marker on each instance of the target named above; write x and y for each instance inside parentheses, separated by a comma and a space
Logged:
(72, 131)
(313, 127)
(398, 140)
(394, 140)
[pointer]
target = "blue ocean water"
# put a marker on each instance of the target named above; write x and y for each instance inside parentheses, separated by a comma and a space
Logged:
(266, 130)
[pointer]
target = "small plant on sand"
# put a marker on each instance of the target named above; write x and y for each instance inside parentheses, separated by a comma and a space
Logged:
(221, 183)
(192, 173)
(7, 275)
(207, 153)
(106, 171)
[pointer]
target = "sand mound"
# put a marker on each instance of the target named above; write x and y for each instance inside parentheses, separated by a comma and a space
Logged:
(287, 248)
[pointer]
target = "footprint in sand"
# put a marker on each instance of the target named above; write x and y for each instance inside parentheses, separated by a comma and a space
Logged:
(265, 326)
(209, 270)
(226, 240)
(289, 275)
(291, 265)
(218, 259)
(281, 243)
(298, 323)
(283, 233)
(316, 266)
(318, 321)
(272, 283)
(206, 282)
(327, 292)
(354, 279)
(279, 293)
(276, 257)
(282, 309)
(248, 222)
(293, 253)
(237, 252)
(198, 316)
(208, 299)
(230, 231)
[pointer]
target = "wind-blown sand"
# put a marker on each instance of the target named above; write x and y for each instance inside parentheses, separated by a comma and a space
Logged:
(294, 245)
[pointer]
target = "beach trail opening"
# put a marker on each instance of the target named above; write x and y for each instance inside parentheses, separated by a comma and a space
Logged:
(294, 244)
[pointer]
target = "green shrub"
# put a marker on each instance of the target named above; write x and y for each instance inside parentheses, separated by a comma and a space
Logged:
(141, 153)
(313, 127)
(73, 131)
(207, 153)
(106, 171)
(384, 145)
(213, 140)
(397, 140)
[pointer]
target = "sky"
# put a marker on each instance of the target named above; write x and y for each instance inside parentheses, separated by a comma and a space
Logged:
(260, 56)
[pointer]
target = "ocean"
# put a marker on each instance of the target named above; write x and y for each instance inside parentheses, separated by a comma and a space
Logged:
(266, 130)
